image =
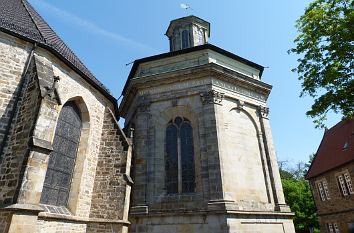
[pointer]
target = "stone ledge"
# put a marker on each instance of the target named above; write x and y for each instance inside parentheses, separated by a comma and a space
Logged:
(139, 210)
(264, 214)
(22, 207)
(46, 215)
(41, 144)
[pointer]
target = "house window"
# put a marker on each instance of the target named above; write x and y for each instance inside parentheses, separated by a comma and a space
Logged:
(321, 191)
(185, 39)
(342, 185)
(61, 164)
(345, 183)
(325, 188)
(348, 183)
(180, 176)
(336, 228)
(333, 228)
(330, 228)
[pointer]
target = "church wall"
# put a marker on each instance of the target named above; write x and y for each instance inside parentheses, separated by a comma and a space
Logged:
(71, 86)
(188, 223)
(270, 224)
(105, 228)
(95, 165)
(17, 150)
(4, 221)
(13, 55)
(109, 189)
(150, 127)
(37, 117)
(60, 226)
(224, 182)
(244, 178)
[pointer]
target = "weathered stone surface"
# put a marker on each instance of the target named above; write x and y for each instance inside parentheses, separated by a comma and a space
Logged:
(16, 152)
(234, 157)
(109, 189)
(98, 187)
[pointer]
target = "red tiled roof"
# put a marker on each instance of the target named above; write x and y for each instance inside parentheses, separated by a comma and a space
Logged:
(332, 152)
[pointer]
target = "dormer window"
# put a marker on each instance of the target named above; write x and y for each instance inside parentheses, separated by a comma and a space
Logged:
(345, 146)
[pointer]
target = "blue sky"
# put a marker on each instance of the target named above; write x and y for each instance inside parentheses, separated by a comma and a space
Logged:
(109, 34)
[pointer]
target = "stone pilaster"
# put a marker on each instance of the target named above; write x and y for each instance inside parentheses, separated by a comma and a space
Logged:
(211, 100)
(212, 97)
(141, 131)
(40, 141)
(278, 194)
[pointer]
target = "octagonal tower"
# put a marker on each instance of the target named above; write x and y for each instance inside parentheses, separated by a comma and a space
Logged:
(204, 159)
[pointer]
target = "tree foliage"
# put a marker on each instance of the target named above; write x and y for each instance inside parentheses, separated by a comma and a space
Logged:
(298, 196)
(326, 46)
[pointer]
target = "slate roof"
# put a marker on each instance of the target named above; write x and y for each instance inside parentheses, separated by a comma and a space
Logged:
(336, 149)
(20, 19)
(189, 50)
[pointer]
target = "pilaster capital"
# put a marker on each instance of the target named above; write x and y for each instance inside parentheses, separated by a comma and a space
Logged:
(144, 103)
(240, 104)
(212, 97)
(263, 111)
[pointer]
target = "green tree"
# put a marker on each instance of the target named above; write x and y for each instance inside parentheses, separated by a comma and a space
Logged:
(326, 46)
(298, 195)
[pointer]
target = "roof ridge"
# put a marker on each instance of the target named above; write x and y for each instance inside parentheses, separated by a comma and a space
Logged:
(34, 22)
(52, 39)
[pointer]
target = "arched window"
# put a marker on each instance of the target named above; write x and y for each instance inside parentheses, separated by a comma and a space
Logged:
(180, 175)
(61, 164)
(185, 39)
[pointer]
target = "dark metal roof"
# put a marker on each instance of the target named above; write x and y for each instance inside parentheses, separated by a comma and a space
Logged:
(189, 50)
(20, 19)
(335, 150)
(190, 18)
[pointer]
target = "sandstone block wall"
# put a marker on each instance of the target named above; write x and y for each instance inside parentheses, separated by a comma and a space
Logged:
(235, 162)
(110, 187)
(103, 148)
(16, 152)
(60, 227)
(192, 223)
(13, 56)
(244, 171)
(4, 221)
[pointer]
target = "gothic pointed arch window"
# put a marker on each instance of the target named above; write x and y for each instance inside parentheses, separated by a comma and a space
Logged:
(180, 174)
(61, 164)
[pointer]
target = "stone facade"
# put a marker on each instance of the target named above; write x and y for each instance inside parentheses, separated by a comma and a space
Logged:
(338, 208)
(237, 182)
(35, 85)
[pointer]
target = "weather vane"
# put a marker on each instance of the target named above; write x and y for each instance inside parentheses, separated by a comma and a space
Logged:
(185, 6)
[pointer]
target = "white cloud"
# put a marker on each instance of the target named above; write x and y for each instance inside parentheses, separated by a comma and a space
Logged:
(90, 26)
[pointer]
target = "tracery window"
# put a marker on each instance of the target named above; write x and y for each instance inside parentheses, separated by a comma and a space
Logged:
(180, 175)
(61, 164)
(185, 39)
